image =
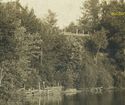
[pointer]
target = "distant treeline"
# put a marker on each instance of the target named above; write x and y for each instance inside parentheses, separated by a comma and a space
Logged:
(34, 50)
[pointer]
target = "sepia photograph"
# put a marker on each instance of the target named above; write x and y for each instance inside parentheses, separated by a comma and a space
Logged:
(62, 52)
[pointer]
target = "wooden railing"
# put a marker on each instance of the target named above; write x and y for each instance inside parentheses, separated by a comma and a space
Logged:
(75, 34)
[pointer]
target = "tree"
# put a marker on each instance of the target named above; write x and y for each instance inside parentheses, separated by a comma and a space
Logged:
(50, 37)
(15, 51)
(71, 28)
(89, 22)
(115, 26)
(96, 42)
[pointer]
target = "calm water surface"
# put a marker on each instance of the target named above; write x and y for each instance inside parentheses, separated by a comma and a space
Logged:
(107, 98)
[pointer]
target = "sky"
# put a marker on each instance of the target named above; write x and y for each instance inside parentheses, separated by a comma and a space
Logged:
(66, 10)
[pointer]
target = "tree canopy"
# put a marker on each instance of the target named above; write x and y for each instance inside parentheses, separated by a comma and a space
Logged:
(34, 50)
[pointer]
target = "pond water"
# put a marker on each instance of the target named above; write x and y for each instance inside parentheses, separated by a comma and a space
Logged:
(107, 98)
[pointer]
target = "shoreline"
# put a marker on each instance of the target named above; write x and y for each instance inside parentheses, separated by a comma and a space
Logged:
(69, 91)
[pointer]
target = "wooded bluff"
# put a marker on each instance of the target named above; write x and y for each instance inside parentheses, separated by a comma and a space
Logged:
(34, 50)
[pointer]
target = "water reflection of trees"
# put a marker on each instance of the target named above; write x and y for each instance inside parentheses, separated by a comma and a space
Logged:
(107, 98)
(40, 100)
(88, 99)
(45, 100)
(119, 98)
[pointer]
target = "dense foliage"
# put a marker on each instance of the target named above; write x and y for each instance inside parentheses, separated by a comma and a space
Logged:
(34, 51)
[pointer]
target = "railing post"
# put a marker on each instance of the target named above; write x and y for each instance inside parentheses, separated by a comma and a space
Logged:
(77, 31)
